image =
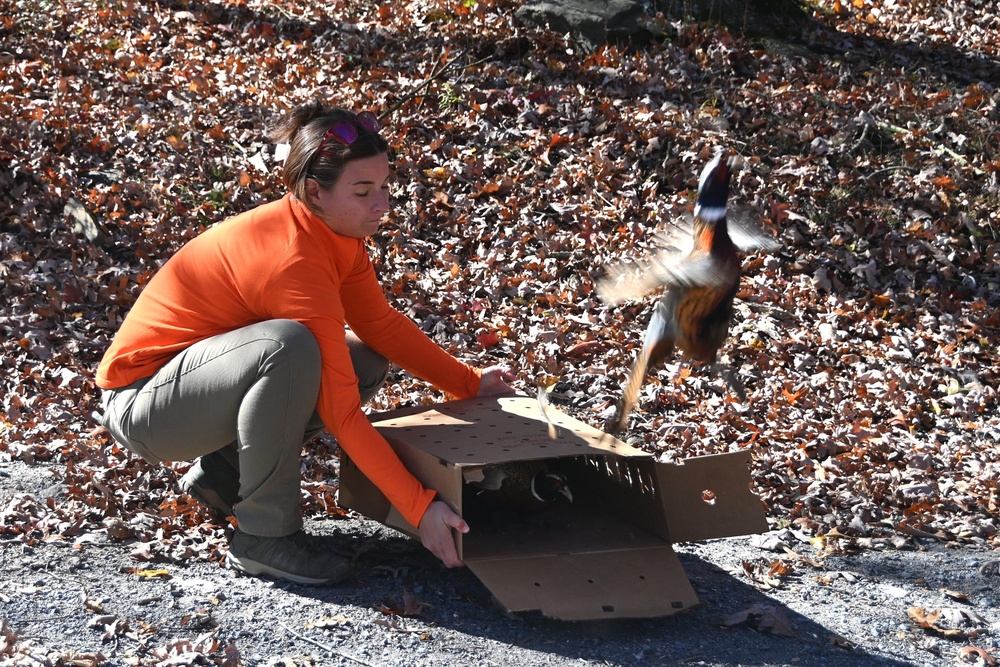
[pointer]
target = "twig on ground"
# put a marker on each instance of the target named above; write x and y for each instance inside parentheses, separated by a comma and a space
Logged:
(328, 649)
(427, 82)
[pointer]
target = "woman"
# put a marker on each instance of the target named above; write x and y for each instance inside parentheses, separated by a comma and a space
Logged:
(237, 352)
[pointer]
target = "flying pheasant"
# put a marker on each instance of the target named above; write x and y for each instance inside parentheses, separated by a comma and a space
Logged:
(695, 311)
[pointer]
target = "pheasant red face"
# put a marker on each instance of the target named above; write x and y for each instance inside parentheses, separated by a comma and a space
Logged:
(548, 486)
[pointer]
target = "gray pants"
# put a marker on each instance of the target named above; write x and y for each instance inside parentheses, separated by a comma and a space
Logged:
(251, 393)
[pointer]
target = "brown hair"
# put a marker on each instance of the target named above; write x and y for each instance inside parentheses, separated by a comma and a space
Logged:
(303, 129)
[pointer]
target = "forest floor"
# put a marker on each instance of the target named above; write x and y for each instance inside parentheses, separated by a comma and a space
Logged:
(868, 343)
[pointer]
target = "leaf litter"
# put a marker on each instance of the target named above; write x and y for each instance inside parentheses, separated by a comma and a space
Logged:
(868, 343)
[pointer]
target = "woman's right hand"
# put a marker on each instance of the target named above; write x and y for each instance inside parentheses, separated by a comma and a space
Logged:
(494, 381)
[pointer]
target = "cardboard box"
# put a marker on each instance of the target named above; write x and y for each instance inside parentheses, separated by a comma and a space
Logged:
(606, 554)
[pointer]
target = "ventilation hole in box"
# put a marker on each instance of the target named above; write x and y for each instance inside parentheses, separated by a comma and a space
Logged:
(590, 581)
(538, 584)
(677, 604)
(708, 495)
(607, 608)
(642, 577)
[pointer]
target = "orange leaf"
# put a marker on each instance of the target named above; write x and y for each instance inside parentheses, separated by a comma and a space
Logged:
(584, 348)
(488, 338)
(793, 397)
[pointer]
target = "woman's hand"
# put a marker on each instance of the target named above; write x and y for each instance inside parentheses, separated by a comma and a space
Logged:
(435, 532)
(495, 381)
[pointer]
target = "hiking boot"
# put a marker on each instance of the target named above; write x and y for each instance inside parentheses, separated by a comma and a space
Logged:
(299, 557)
(213, 481)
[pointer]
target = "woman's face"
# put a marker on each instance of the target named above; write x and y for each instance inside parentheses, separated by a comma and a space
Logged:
(355, 205)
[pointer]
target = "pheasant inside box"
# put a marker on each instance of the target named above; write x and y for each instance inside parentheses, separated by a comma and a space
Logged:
(577, 527)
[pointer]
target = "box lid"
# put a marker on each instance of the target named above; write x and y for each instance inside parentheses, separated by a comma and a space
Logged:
(486, 431)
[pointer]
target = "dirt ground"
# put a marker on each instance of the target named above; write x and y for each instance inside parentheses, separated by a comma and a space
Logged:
(767, 600)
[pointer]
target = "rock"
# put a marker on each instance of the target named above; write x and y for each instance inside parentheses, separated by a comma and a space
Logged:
(595, 22)
(82, 223)
(592, 22)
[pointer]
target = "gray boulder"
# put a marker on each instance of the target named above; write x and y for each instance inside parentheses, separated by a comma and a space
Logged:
(592, 22)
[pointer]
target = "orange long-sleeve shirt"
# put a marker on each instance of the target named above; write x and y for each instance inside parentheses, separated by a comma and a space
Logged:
(279, 261)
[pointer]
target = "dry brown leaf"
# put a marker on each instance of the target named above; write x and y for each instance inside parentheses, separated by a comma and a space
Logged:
(763, 618)
(944, 622)
(973, 655)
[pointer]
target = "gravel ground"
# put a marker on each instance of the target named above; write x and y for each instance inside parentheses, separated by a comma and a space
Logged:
(86, 605)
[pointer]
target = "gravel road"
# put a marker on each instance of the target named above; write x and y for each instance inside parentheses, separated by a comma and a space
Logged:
(770, 600)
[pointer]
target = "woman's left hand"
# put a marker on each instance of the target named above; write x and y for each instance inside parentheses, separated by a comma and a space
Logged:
(494, 382)
(435, 532)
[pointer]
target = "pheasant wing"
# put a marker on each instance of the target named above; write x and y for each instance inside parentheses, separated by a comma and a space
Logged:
(748, 237)
(632, 281)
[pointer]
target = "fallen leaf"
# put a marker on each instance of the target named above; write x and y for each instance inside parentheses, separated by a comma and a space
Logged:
(763, 618)
(840, 642)
(328, 622)
(152, 574)
(944, 622)
(955, 595)
(73, 659)
(411, 605)
(583, 348)
(973, 655)
(488, 338)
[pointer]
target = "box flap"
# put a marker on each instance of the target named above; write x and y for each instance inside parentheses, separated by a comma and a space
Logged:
(575, 565)
(636, 583)
(708, 497)
(483, 431)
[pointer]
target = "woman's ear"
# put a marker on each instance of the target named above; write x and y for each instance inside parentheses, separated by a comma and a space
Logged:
(312, 190)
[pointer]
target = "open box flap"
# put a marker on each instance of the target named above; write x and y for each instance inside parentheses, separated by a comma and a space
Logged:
(636, 583)
(708, 497)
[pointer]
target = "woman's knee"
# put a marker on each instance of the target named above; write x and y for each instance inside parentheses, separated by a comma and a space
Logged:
(293, 345)
(294, 337)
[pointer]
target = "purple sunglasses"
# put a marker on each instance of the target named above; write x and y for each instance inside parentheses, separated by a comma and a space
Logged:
(345, 132)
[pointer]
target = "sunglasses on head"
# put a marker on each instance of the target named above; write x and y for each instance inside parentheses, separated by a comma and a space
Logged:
(345, 132)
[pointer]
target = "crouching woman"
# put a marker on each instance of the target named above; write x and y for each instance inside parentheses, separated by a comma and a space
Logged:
(269, 327)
